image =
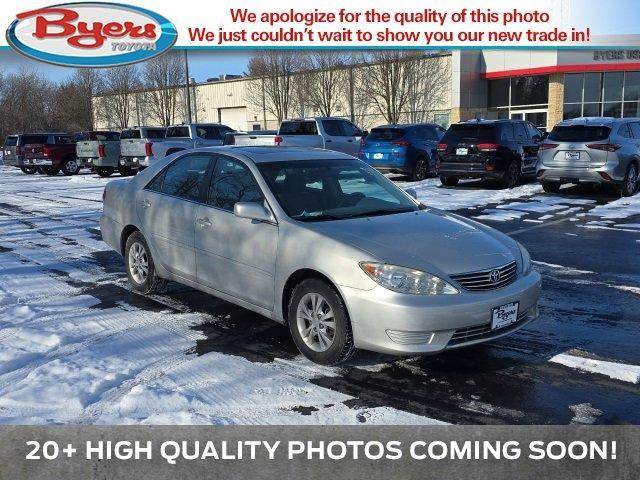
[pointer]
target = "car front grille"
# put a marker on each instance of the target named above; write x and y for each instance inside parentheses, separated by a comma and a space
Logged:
(479, 332)
(487, 279)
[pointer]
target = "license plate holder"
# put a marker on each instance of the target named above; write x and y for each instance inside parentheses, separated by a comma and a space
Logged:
(462, 151)
(572, 155)
(504, 315)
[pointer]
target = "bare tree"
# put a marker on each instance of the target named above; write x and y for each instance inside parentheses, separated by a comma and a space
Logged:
(72, 101)
(325, 81)
(274, 89)
(162, 76)
(118, 104)
(427, 85)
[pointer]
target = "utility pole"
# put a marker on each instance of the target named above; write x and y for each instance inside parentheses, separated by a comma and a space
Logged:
(186, 69)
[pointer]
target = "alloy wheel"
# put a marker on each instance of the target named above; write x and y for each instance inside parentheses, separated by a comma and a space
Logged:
(138, 263)
(632, 179)
(316, 322)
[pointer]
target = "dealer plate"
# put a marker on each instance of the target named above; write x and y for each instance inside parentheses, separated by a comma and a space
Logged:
(462, 151)
(572, 155)
(504, 315)
(378, 156)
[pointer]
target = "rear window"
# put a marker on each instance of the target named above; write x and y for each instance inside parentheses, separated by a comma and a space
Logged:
(385, 134)
(105, 136)
(463, 132)
(299, 128)
(64, 139)
(579, 133)
(128, 134)
(178, 132)
(30, 139)
(155, 133)
(11, 142)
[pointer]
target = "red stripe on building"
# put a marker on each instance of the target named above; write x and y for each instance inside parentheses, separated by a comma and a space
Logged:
(589, 67)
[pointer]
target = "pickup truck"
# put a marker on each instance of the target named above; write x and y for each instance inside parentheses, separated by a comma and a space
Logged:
(13, 150)
(331, 133)
(191, 135)
(255, 137)
(51, 152)
(137, 146)
(100, 150)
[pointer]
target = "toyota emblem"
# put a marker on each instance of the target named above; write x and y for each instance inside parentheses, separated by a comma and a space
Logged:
(494, 276)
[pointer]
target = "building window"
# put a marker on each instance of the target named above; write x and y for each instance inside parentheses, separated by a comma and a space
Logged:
(610, 94)
(525, 98)
(530, 90)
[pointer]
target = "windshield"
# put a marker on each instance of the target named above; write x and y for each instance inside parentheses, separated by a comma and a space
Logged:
(333, 189)
(579, 133)
(470, 131)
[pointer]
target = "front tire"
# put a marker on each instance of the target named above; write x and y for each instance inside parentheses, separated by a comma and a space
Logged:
(29, 170)
(449, 181)
(551, 187)
(70, 167)
(319, 323)
(105, 172)
(630, 181)
(141, 270)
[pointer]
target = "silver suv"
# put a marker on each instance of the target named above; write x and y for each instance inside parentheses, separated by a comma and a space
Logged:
(597, 150)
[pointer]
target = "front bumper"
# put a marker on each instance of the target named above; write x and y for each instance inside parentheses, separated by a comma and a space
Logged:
(612, 174)
(398, 324)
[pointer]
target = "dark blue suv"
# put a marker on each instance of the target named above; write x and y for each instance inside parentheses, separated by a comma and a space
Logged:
(408, 149)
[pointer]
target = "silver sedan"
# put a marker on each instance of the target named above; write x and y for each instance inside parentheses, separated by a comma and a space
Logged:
(323, 243)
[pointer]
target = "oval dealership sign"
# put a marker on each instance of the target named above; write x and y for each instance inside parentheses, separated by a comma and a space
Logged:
(91, 34)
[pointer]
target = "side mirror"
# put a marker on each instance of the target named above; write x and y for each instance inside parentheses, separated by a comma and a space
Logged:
(412, 192)
(252, 211)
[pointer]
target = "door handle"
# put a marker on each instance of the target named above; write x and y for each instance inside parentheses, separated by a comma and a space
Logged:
(145, 203)
(204, 222)
(328, 140)
(350, 141)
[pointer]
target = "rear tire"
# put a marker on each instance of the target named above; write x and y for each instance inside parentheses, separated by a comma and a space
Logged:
(551, 187)
(105, 172)
(70, 167)
(141, 270)
(51, 171)
(449, 181)
(630, 181)
(29, 170)
(511, 175)
(316, 309)
(421, 169)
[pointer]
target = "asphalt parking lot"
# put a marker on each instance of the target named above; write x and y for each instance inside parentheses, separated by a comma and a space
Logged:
(77, 346)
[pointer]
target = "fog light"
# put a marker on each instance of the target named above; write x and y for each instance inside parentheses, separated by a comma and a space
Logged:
(410, 338)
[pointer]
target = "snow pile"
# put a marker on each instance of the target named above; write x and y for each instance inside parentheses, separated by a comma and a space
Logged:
(622, 208)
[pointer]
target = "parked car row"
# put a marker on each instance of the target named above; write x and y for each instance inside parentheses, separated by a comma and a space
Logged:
(106, 152)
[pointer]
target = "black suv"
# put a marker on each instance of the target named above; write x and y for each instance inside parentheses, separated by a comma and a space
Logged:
(502, 150)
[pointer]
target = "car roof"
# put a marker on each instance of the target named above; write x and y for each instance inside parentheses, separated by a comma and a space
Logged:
(595, 121)
(406, 125)
(484, 121)
(268, 153)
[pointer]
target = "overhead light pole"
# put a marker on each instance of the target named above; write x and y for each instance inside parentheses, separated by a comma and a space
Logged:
(187, 85)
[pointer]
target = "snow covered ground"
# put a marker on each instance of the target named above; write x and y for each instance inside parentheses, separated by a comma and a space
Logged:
(77, 346)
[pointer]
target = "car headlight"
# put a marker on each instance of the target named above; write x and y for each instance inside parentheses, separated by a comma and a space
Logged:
(406, 280)
(526, 260)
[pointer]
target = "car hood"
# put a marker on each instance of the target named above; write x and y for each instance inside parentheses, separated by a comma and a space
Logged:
(429, 240)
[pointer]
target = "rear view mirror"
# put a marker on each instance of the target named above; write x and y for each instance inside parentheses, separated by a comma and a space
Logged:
(412, 192)
(252, 211)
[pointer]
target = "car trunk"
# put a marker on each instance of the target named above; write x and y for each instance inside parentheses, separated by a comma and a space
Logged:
(133, 147)
(34, 150)
(576, 146)
(383, 145)
(467, 146)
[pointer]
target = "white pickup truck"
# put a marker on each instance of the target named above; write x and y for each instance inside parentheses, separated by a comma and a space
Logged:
(332, 133)
(137, 146)
(190, 135)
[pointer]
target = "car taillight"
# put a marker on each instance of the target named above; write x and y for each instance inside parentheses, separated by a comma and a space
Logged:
(231, 140)
(548, 146)
(487, 147)
(101, 151)
(18, 150)
(148, 149)
(277, 140)
(442, 147)
(606, 147)
(46, 151)
(400, 143)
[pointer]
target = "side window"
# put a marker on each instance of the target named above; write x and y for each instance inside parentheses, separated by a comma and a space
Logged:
(184, 177)
(506, 134)
(635, 130)
(178, 132)
(231, 183)
(520, 132)
(350, 130)
(208, 132)
(533, 131)
(624, 131)
(420, 133)
(332, 127)
(432, 133)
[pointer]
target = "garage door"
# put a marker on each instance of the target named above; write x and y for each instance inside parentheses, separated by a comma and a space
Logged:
(235, 118)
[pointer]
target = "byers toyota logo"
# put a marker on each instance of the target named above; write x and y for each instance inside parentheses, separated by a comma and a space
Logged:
(91, 34)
